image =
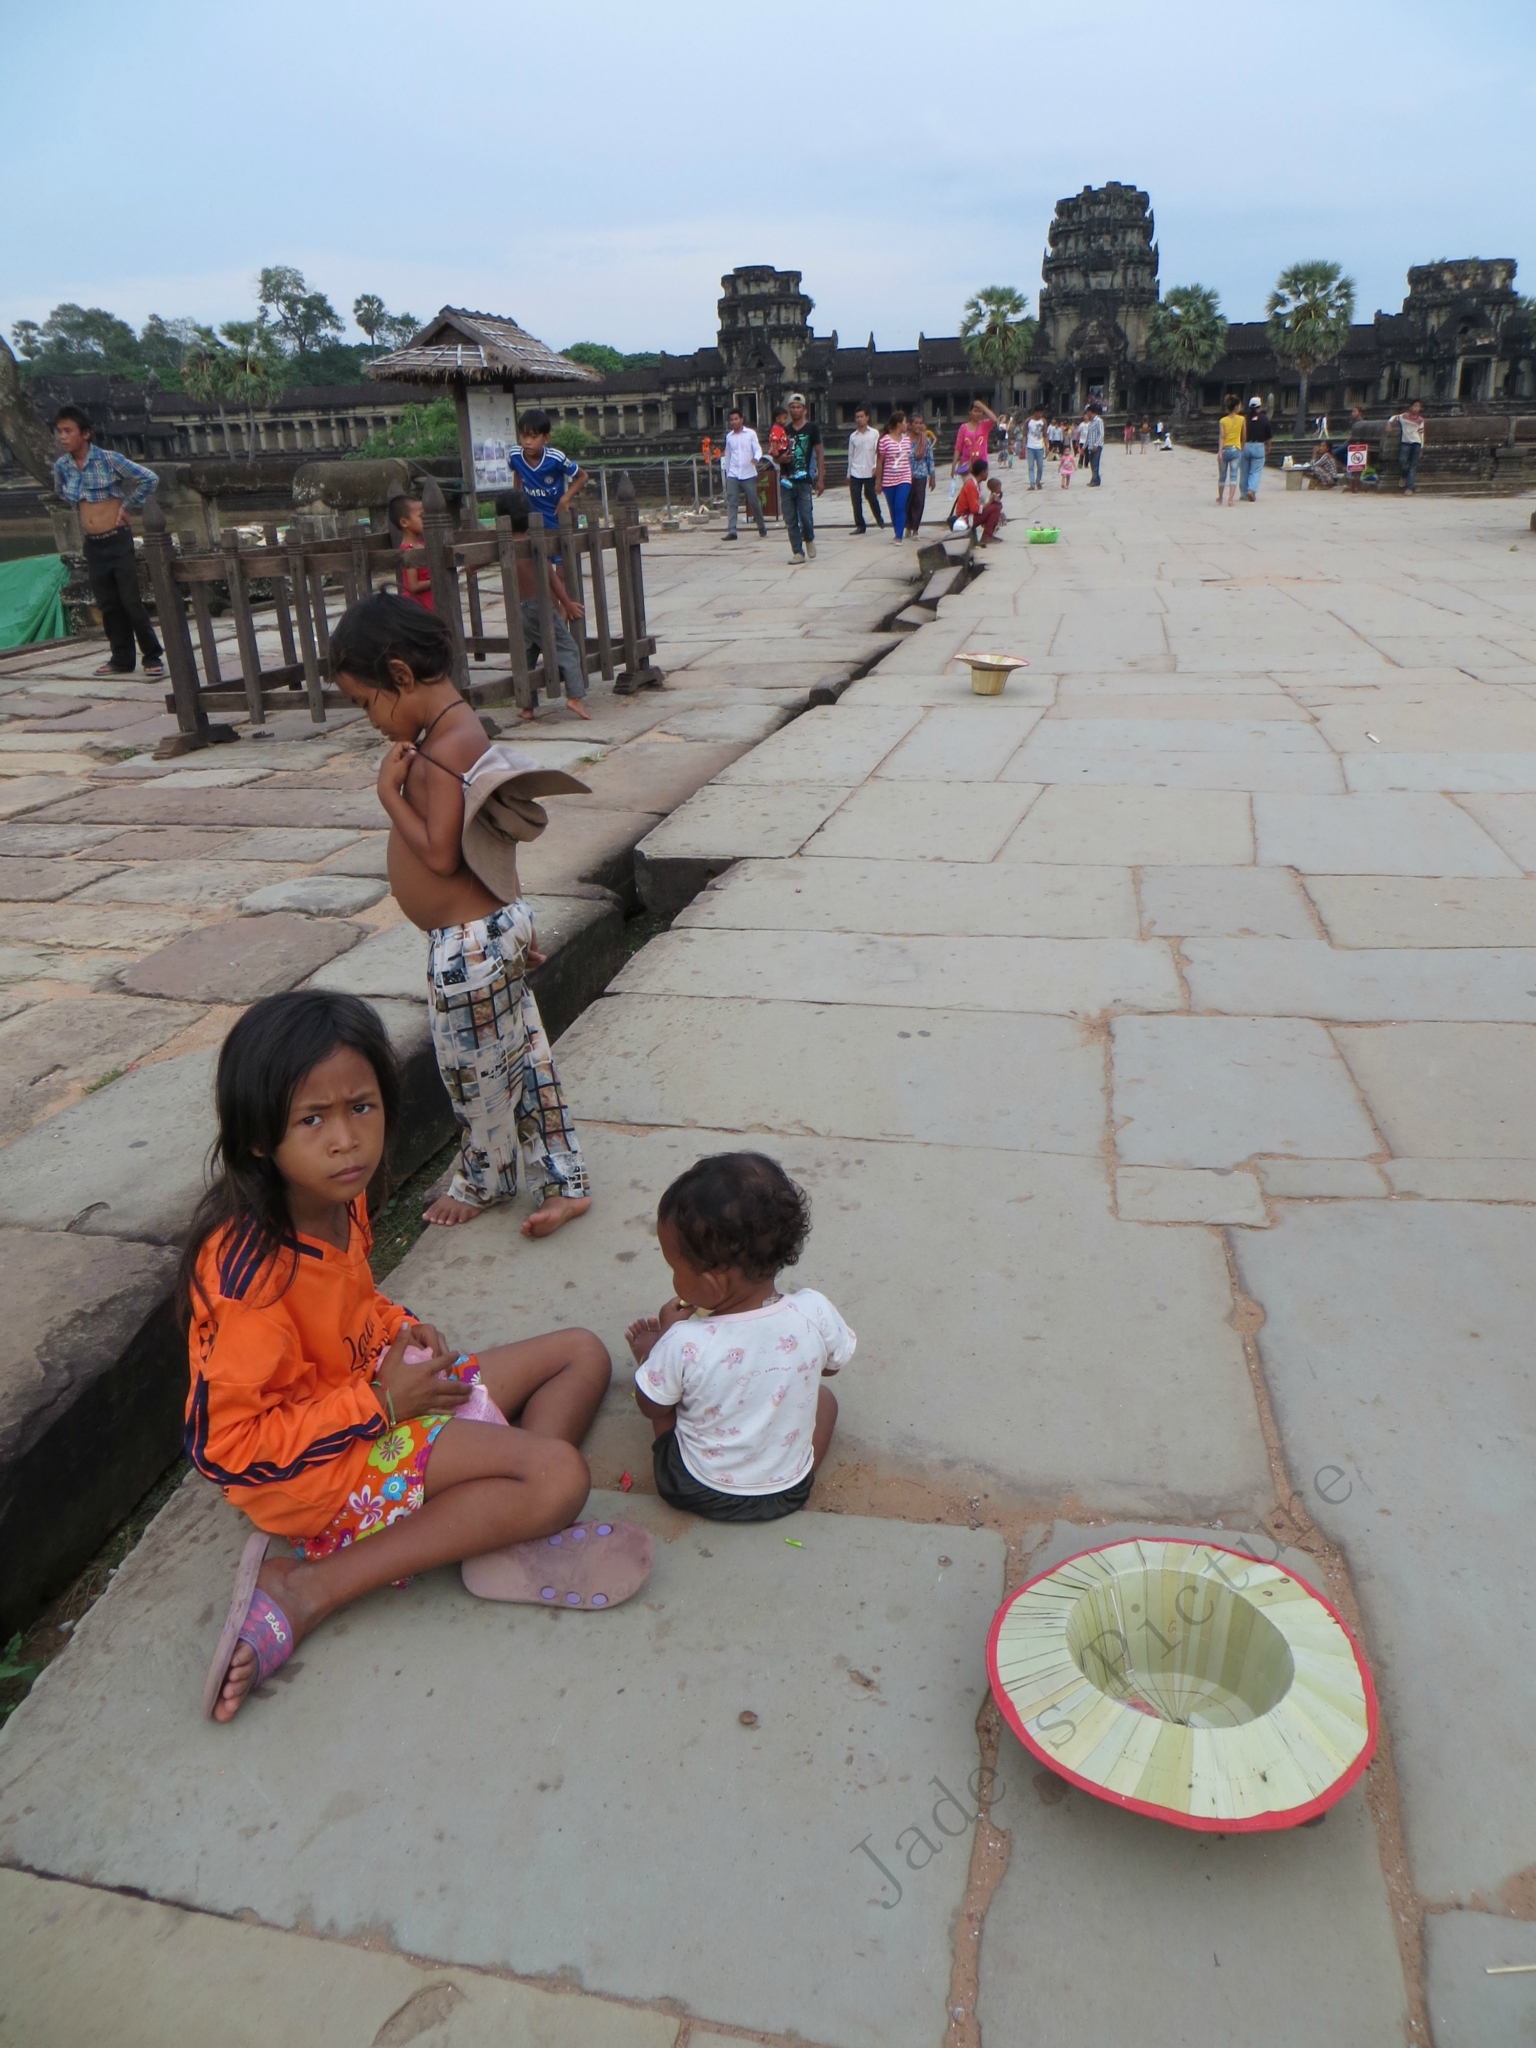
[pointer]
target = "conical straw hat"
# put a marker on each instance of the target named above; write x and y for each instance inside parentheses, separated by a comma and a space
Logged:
(1186, 1681)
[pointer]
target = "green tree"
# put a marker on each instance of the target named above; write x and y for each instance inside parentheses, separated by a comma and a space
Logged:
(304, 320)
(163, 346)
(208, 375)
(1310, 310)
(597, 355)
(368, 311)
(1186, 335)
(79, 339)
(998, 334)
(421, 432)
(398, 328)
(254, 364)
(571, 439)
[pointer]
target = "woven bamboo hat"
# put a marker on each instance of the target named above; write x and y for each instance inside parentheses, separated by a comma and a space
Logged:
(501, 812)
(1186, 1681)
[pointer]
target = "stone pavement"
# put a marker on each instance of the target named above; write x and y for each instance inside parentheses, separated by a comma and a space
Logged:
(1155, 1043)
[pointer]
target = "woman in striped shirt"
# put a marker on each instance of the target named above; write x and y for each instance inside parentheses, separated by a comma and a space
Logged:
(893, 468)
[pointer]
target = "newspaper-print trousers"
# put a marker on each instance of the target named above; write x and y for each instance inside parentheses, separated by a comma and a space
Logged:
(496, 1062)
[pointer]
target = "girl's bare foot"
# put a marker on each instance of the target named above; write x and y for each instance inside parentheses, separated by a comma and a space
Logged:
(277, 1578)
(525, 717)
(447, 1209)
(557, 1209)
(576, 708)
(642, 1336)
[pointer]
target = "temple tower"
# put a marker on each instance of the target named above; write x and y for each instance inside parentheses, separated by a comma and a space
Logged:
(1099, 292)
(763, 306)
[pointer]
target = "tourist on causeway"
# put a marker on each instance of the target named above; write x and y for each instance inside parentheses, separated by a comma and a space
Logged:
(863, 446)
(1410, 427)
(1257, 435)
(739, 465)
(894, 457)
(798, 489)
(92, 479)
(922, 471)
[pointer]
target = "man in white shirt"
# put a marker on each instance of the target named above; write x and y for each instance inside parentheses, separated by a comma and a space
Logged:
(1410, 446)
(863, 448)
(1091, 436)
(1034, 448)
(743, 453)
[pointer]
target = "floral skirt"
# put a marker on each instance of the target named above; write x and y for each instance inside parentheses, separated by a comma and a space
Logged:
(394, 1482)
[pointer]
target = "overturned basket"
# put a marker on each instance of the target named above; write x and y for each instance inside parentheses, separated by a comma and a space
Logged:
(1043, 536)
(989, 672)
(1186, 1681)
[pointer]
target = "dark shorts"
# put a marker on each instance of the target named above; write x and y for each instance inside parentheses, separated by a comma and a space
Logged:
(679, 1489)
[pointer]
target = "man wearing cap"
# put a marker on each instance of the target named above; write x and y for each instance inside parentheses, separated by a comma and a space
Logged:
(1257, 435)
(797, 488)
(104, 487)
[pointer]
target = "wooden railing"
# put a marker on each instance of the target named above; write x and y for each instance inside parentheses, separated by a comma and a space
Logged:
(306, 574)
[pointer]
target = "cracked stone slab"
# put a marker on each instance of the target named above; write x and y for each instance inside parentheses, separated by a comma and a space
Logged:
(366, 856)
(841, 1071)
(70, 1953)
(1401, 834)
(54, 1049)
(45, 880)
(1393, 1331)
(107, 1769)
(1303, 1180)
(242, 960)
(953, 821)
(1137, 828)
(27, 840)
(904, 898)
(202, 884)
(1162, 1194)
(1063, 977)
(1165, 1423)
(1511, 821)
(1414, 910)
(1215, 1091)
(826, 745)
(1447, 1091)
(729, 823)
(1241, 902)
(315, 896)
(969, 743)
(1450, 771)
(1298, 978)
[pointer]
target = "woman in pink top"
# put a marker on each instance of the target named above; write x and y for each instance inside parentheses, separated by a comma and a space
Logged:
(893, 469)
(971, 440)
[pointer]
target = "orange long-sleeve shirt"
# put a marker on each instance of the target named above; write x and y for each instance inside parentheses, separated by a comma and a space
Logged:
(281, 1415)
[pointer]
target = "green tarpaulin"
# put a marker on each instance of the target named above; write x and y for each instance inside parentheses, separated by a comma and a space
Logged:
(30, 604)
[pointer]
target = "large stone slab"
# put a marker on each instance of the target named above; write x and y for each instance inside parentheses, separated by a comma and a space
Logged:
(966, 743)
(1242, 902)
(92, 1387)
(1249, 1940)
(54, 1049)
(315, 896)
(43, 880)
(155, 804)
(205, 884)
(70, 1954)
(651, 777)
(1467, 2007)
(910, 897)
(1298, 978)
(1448, 1091)
(1269, 757)
(841, 1071)
(1214, 1091)
(954, 821)
(20, 794)
(25, 840)
(1412, 910)
(1062, 977)
(1394, 1332)
(726, 823)
(1450, 771)
(1163, 1424)
(838, 746)
(243, 960)
(167, 842)
(108, 1770)
(1166, 1194)
(1136, 828)
(1511, 820)
(1408, 834)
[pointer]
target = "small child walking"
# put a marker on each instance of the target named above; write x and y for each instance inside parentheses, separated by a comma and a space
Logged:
(393, 660)
(323, 1410)
(730, 1370)
(513, 506)
(1068, 465)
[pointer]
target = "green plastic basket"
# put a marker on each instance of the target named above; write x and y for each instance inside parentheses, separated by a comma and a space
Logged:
(1043, 536)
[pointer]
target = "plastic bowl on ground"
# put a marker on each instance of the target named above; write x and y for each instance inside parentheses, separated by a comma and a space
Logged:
(1186, 1681)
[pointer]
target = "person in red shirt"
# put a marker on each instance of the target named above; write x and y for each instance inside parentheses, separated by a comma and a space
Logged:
(407, 530)
(966, 510)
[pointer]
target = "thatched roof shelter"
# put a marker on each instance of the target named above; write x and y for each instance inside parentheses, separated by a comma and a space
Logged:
(476, 348)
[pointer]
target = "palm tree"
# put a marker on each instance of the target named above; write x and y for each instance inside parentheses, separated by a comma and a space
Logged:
(368, 311)
(207, 374)
(1310, 310)
(1187, 334)
(253, 361)
(998, 334)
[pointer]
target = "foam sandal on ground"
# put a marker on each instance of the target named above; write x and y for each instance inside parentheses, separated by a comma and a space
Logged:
(254, 1618)
(590, 1565)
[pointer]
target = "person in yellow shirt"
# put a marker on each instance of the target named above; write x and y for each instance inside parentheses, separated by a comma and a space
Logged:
(1229, 450)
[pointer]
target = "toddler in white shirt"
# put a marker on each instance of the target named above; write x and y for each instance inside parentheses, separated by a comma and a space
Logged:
(730, 1370)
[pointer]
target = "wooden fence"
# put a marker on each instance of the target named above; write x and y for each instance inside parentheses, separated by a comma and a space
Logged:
(306, 574)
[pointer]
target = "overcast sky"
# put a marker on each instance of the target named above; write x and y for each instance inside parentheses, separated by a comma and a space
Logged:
(592, 170)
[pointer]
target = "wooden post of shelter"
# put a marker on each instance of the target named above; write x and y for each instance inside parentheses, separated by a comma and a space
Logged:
(438, 534)
(466, 443)
(298, 582)
(469, 526)
(207, 641)
(280, 597)
(570, 577)
(191, 716)
(624, 512)
(245, 625)
(511, 597)
(594, 541)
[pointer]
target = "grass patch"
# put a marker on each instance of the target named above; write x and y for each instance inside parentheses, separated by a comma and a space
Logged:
(116, 1074)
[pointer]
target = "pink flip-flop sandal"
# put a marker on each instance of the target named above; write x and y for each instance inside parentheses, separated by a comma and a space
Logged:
(590, 1565)
(254, 1618)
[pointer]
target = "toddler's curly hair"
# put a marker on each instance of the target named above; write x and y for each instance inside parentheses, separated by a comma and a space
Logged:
(738, 1209)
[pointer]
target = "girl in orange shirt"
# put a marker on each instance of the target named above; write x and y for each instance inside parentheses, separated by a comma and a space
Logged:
(325, 1412)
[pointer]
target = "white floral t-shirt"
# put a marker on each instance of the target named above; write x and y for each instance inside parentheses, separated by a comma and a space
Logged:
(744, 1388)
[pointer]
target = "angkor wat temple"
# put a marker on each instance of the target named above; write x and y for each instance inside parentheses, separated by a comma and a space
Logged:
(1462, 340)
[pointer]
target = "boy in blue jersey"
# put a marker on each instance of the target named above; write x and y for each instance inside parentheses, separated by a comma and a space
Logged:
(549, 478)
